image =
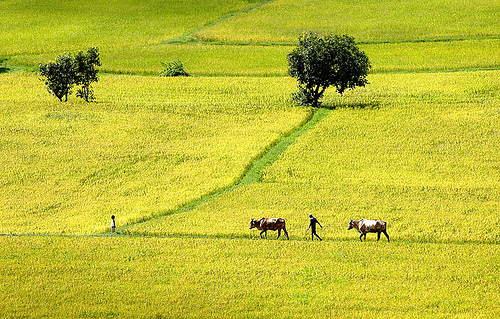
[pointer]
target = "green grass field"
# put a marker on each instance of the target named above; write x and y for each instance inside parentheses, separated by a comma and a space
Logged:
(64, 277)
(366, 20)
(185, 163)
(149, 145)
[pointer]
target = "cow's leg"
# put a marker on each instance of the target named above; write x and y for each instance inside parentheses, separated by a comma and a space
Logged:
(286, 233)
(385, 233)
(262, 232)
(378, 236)
(361, 237)
(279, 233)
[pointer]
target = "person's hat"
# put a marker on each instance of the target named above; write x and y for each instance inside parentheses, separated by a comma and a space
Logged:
(310, 215)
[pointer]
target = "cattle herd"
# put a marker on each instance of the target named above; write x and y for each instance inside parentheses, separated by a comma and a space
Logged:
(363, 226)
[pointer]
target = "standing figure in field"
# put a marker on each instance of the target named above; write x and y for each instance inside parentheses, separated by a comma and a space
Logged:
(312, 225)
(113, 225)
(364, 226)
(266, 224)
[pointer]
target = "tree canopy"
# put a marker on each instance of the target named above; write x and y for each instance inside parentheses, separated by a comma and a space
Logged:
(318, 63)
(60, 76)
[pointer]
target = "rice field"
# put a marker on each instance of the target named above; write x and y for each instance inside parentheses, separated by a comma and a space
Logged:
(65, 168)
(366, 20)
(426, 161)
(42, 26)
(235, 278)
(270, 60)
(185, 163)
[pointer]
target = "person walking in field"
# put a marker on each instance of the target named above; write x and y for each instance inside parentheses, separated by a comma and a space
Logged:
(113, 225)
(312, 225)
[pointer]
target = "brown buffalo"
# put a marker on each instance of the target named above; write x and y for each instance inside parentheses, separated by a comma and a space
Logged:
(266, 224)
(364, 226)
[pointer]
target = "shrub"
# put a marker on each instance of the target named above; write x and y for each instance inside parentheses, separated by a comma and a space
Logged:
(3, 68)
(173, 68)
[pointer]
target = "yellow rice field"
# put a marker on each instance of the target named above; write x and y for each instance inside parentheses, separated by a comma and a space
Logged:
(185, 163)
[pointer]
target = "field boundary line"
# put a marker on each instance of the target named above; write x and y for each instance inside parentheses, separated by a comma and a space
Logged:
(252, 174)
(189, 37)
(284, 75)
(253, 237)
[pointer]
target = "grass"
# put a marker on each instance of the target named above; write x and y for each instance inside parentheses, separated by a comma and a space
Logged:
(193, 278)
(285, 20)
(34, 26)
(176, 160)
(135, 154)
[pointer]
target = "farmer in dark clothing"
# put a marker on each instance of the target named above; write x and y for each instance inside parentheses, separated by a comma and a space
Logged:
(113, 224)
(312, 225)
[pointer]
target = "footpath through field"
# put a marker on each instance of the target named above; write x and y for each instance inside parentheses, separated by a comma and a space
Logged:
(253, 174)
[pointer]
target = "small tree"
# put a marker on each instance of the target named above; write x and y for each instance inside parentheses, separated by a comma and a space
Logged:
(318, 63)
(59, 76)
(86, 72)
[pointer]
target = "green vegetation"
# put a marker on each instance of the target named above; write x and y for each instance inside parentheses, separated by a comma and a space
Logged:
(185, 163)
(231, 278)
(320, 62)
(173, 68)
(86, 73)
(365, 20)
(60, 76)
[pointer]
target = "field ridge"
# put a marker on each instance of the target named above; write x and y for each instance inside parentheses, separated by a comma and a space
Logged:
(190, 38)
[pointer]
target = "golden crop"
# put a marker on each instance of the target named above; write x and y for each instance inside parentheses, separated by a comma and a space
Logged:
(185, 163)
(146, 147)
(424, 160)
(63, 277)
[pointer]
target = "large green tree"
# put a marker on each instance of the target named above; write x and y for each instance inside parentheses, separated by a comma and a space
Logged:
(319, 62)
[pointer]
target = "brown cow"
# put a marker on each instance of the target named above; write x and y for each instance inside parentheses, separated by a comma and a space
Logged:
(364, 226)
(266, 224)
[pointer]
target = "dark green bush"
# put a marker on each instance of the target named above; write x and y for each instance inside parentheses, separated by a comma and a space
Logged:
(173, 68)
